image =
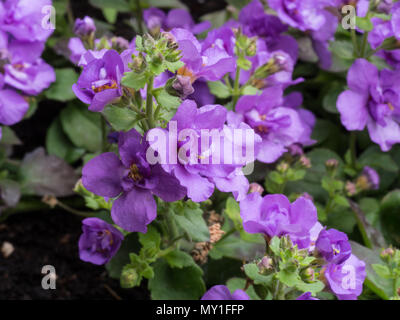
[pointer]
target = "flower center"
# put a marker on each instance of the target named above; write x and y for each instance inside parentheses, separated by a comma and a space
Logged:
(134, 173)
(261, 129)
(184, 71)
(106, 86)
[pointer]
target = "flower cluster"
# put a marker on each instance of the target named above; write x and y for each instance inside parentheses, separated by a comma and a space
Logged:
(22, 71)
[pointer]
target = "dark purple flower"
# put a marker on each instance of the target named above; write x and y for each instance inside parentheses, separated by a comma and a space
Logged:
(373, 100)
(133, 180)
(278, 126)
(273, 215)
(84, 27)
(154, 18)
(333, 245)
(306, 296)
(346, 279)
(100, 81)
(369, 180)
(23, 19)
(221, 292)
(12, 106)
(99, 242)
(26, 71)
(196, 169)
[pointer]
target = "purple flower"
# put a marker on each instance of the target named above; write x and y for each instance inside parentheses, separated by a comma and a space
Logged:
(346, 279)
(100, 81)
(99, 242)
(278, 126)
(306, 296)
(133, 180)
(77, 49)
(221, 292)
(371, 178)
(372, 100)
(210, 63)
(176, 18)
(273, 215)
(84, 27)
(333, 245)
(26, 71)
(23, 19)
(12, 106)
(200, 178)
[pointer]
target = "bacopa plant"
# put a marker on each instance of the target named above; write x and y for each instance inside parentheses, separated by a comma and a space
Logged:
(249, 155)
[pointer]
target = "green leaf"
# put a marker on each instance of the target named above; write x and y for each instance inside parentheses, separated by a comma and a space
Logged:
(166, 100)
(46, 175)
(118, 5)
(251, 270)
(150, 239)
(289, 277)
(219, 89)
(189, 217)
(58, 144)
(179, 259)
(239, 3)
(110, 14)
(176, 284)
(343, 49)
(121, 119)
(274, 245)
(234, 284)
(82, 127)
(232, 210)
(382, 287)
(382, 271)
(389, 213)
(135, 80)
(61, 90)
(330, 99)
(364, 23)
(8, 137)
(341, 200)
(313, 287)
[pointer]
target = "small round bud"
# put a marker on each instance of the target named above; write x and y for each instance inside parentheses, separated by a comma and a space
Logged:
(255, 187)
(305, 162)
(351, 188)
(265, 263)
(84, 27)
(331, 163)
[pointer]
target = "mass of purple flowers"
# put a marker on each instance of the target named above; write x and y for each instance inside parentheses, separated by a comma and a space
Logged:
(260, 142)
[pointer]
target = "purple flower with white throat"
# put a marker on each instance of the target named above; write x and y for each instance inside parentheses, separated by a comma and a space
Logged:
(333, 245)
(99, 242)
(278, 126)
(222, 292)
(100, 81)
(133, 181)
(346, 279)
(274, 215)
(372, 100)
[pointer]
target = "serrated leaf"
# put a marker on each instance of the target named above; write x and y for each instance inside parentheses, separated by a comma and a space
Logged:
(121, 119)
(219, 89)
(135, 80)
(253, 273)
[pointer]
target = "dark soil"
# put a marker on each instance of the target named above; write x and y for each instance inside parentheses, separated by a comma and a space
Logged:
(51, 238)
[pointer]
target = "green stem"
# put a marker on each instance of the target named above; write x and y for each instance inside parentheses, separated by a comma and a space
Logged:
(149, 104)
(74, 211)
(139, 14)
(236, 91)
(355, 42)
(104, 134)
(172, 227)
(364, 45)
(353, 149)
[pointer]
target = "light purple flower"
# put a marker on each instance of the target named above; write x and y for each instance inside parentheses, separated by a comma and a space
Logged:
(26, 71)
(372, 177)
(306, 296)
(200, 178)
(23, 19)
(84, 27)
(372, 100)
(278, 126)
(274, 215)
(333, 245)
(346, 279)
(99, 242)
(100, 81)
(222, 292)
(13, 107)
(133, 180)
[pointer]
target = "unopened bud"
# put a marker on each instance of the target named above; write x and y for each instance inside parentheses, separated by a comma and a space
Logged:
(84, 27)
(369, 179)
(283, 166)
(331, 163)
(265, 263)
(255, 187)
(351, 188)
(305, 162)
(387, 253)
(183, 86)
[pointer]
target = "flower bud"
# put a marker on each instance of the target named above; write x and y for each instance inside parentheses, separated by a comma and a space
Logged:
(308, 274)
(84, 27)
(129, 278)
(295, 150)
(331, 164)
(183, 86)
(386, 254)
(282, 167)
(119, 44)
(351, 188)
(255, 187)
(305, 162)
(265, 263)
(369, 179)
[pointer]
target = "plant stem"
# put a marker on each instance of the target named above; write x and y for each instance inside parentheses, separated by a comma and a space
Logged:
(355, 42)
(353, 151)
(139, 16)
(236, 91)
(74, 211)
(149, 104)
(172, 228)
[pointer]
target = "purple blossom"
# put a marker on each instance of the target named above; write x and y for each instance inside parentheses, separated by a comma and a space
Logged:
(333, 245)
(278, 126)
(100, 81)
(210, 63)
(346, 279)
(133, 180)
(221, 292)
(13, 107)
(306, 296)
(23, 19)
(373, 101)
(372, 177)
(176, 18)
(99, 242)
(84, 27)
(26, 71)
(199, 178)
(274, 215)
